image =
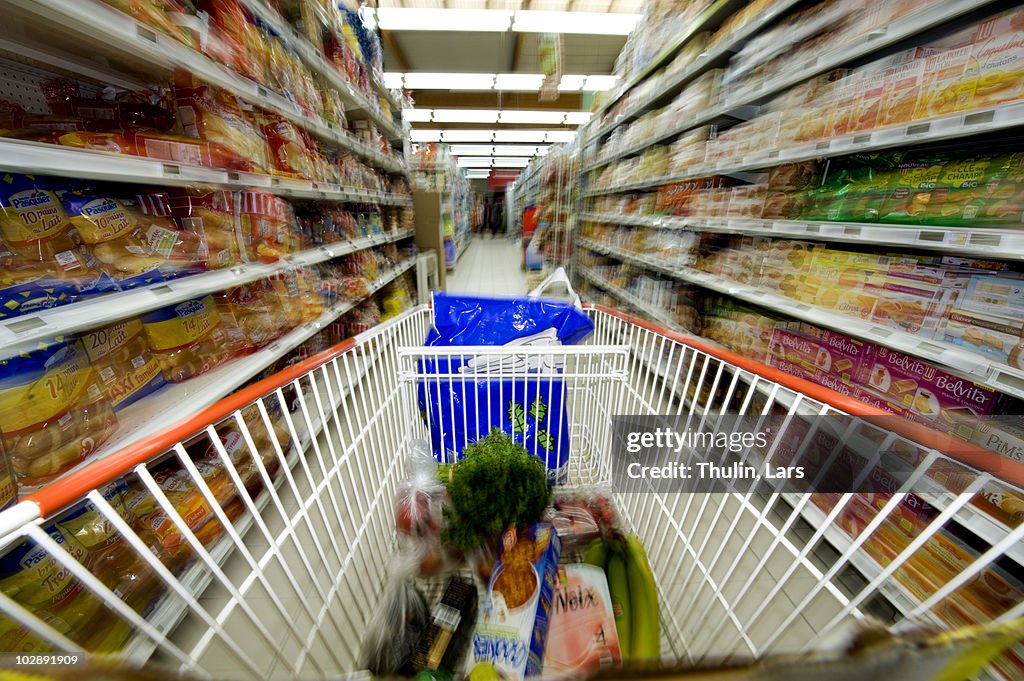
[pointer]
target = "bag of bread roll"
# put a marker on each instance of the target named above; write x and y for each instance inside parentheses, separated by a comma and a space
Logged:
(38, 234)
(134, 241)
(217, 116)
(186, 338)
(211, 214)
(126, 367)
(53, 412)
(246, 319)
(267, 224)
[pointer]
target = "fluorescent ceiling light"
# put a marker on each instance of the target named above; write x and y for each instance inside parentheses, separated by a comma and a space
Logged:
(510, 162)
(478, 173)
(392, 80)
(577, 117)
(417, 115)
(560, 136)
(449, 81)
(509, 150)
(541, 117)
(600, 83)
(423, 19)
(590, 23)
(543, 151)
(474, 162)
(465, 116)
(571, 83)
(520, 135)
(471, 150)
(368, 16)
(425, 135)
(519, 82)
(467, 135)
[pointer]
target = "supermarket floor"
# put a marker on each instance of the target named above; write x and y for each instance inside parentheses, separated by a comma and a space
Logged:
(489, 265)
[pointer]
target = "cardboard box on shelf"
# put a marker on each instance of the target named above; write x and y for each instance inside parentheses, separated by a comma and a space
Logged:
(927, 391)
(1001, 338)
(1002, 296)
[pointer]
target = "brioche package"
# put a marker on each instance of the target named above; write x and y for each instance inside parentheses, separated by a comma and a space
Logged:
(53, 412)
(126, 367)
(218, 117)
(186, 338)
(132, 238)
(211, 214)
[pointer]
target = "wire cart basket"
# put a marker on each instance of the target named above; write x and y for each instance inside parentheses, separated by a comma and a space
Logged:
(253, 540)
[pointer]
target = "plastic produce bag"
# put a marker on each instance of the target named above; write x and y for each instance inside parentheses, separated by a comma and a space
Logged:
(532, 411)
(400, 619)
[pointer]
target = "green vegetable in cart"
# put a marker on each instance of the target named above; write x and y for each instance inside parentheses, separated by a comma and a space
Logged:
(645, 625)
(495, 485)
(618, 587)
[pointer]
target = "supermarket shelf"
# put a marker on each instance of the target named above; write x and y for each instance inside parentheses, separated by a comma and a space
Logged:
(177, 402)
(23, 333)
(96, 28)
(353, 99)
(654, 313)
(973, 366)
(1004, 244)
(701, 64)
(18, 156)
(915, 133)
(710, 18)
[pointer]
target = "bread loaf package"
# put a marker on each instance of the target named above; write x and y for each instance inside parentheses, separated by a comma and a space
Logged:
(217, 116)
(132, 238)
(39, 238)
(126, 367)
(186, 338)
(210, 213)
(53, 412)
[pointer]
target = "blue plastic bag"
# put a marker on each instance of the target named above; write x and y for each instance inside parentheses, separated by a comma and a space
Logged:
(531, 409)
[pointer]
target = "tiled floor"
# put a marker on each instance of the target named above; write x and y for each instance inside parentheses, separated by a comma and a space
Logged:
(489, 266)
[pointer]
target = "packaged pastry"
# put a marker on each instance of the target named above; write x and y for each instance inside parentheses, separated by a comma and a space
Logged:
(133, 239)
(52, 410)
(1002, 192)
(126, 367)
(27, 287)
(211, 214)
(186, 338)
(986, 334)
(267, 225)
(292, 152)
(33, 223)
(217, 116)
(997, 59)
(246, 318)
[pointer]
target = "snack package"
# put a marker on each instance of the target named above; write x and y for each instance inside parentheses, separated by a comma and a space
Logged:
(267, 225)
(217, 116)
(127, 369)
(186, 338)
(446, 640)
(132, 238)
(52, 410)
(37, 233)
(583, 638)
(211, 214)
(512, 628)
(292, 152)
(246, 318)
(398, 621)
(34, 579)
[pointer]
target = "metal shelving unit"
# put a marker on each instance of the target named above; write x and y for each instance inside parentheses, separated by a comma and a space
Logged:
(22, 333)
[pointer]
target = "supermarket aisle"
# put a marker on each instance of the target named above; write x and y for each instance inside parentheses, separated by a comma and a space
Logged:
(489, 266)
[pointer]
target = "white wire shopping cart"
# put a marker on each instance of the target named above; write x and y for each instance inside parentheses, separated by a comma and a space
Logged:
(253, 540)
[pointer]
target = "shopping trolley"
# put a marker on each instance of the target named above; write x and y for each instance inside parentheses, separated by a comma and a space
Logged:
(253, 540)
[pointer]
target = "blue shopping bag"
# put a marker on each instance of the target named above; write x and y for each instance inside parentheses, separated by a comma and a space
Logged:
(521, 396)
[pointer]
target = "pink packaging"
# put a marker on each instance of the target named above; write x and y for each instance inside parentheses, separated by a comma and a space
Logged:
(582, 639)
(925, 390)
(823, 351)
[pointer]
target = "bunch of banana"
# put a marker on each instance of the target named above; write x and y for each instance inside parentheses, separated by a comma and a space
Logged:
(634, 596)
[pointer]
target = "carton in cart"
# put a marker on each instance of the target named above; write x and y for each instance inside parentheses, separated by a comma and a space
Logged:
(512, 627)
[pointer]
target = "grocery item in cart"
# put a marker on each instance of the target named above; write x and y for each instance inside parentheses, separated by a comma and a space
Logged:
(186, 338)
(398, 622)
(582, 638)
(52, 410)
(446, 640)
(515, 616)
(126, 367)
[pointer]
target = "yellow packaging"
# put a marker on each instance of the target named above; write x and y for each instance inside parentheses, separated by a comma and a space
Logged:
(186, 338)
(53, 412)
(126, 367)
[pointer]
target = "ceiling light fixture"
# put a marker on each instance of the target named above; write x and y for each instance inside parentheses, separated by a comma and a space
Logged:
(467, 135)
(494, 20)
(521, 136)
(560, 136)
(393, 80)
(474, 162)
(570, 83)
(577, 117)
(417, 115)
(425, 135)
(589, 23)
(465, 116)
(449, 81)
(510, 162)
(528, 117)
(423, 19)
(510, 150)
(519, 82)
(471, 150)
